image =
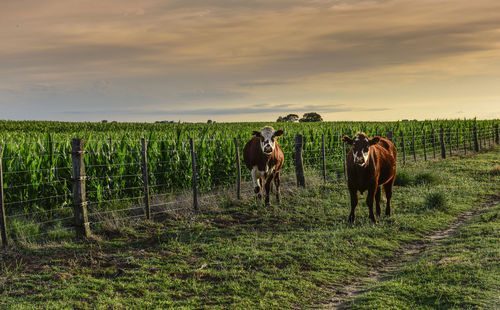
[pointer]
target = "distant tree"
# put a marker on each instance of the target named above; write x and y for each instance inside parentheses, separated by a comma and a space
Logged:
(291, 118)
(280, 119)
(209, 121)
(104, 121)
(311, 117)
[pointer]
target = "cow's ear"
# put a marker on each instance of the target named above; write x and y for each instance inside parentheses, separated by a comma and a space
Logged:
(347, 140)
(374, 140)
(256, 133)
(278, 133)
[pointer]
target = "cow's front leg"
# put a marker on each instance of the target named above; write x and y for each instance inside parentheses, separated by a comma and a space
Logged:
(277, 182)
(257, 182)
(354, 202)
(369, 201)
(267, 186)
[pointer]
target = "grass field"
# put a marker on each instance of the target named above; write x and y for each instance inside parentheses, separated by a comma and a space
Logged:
(241, 255)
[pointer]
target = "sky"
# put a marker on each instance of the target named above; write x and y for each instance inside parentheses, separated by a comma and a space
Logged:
(232, 61)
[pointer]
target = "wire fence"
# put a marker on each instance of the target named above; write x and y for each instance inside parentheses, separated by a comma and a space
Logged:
(41, 195)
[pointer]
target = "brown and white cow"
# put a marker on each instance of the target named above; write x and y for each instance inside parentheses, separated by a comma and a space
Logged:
(371, 163)
(264, 157)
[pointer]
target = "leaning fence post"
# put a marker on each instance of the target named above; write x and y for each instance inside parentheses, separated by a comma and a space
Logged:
(82, 226)
(476, 142)
(193, 164)
(238, 169)
(3, 221)
(403, 146)
(299, 164)
(441, 140)
(323, 154)
(145, 178)
(496, 134)
(425, 146)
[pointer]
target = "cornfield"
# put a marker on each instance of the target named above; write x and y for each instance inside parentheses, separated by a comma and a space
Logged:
(37, 164)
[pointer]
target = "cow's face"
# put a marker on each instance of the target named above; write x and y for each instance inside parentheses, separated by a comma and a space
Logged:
(361, 147)
(267, 139)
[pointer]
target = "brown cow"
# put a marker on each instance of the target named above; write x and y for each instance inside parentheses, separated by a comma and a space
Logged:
(370, 164)
(263, 156)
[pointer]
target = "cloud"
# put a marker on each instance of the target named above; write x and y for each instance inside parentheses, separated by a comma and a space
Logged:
(284, 108)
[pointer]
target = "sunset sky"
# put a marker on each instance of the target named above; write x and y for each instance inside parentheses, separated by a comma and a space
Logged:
(249, 60)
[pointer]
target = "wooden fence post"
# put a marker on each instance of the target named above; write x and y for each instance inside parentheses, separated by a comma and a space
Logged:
(195, 187)
(323, 154)
(82, 226)
(476, 142)
(238, 169)
(441, 140)
(433, 144)
(145, 178)
(413, 145)
(496, 134)
(425, 145)
(403, 146)
(298, 160)
(3, 221)
(458, 146)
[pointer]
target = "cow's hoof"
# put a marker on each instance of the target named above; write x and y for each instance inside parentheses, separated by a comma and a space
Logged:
(256, 189)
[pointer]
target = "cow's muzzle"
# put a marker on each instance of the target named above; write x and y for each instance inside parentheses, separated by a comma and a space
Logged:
(268, 150)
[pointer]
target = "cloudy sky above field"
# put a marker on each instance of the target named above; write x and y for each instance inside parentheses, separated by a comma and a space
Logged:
(249, 60)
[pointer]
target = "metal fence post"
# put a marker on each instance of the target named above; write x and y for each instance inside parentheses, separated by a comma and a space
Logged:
(238, 169)
(413, 145)
(425, 145)
(82, 226)
(403, 146)
(298, 160)
(145, 178)
(193, 164)
(433, 144)
(323, 154)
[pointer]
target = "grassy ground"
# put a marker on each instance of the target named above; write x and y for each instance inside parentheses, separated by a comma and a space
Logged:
(460, 272)
(241, 255)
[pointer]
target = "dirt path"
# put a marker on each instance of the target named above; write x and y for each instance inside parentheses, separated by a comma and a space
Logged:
(344, 295)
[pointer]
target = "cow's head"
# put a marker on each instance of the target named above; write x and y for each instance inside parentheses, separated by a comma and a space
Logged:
(361, 147)
(267, 141)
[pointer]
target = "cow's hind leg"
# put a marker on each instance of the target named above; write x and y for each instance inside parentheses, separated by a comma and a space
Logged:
(388, 196)
(377, 201)
(277, 182)
(354, 203)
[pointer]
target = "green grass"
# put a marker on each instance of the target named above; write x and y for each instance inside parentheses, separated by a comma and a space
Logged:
(462, 272)
(242, 255)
